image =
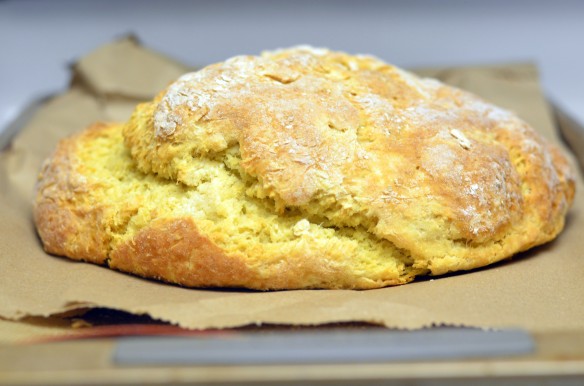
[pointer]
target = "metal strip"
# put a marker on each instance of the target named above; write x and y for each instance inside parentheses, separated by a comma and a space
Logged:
(322, 347)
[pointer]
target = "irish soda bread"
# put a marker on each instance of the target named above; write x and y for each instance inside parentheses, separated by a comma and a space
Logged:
(303, 168)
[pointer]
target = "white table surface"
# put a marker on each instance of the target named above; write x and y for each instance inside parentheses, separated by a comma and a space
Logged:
(38, 39)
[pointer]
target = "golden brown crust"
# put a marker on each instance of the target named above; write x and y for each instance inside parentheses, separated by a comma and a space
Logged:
(67, 226)
(304, 168)
(174, 250)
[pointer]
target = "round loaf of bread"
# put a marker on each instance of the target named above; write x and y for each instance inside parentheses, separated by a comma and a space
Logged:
(303, 168)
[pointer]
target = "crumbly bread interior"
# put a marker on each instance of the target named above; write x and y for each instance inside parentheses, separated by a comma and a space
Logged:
(304, 168)
(104, 179)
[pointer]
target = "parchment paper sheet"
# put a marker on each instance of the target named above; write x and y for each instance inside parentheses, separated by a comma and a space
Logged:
(540, 290)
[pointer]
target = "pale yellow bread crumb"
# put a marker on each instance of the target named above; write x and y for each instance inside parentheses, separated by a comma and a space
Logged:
(303, 168)
(94, 205)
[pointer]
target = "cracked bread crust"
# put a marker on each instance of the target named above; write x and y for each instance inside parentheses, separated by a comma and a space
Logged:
(66, 220)
(305, 168)
(92, 204)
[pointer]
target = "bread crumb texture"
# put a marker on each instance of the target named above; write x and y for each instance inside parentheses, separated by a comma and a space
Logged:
(303, 168)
